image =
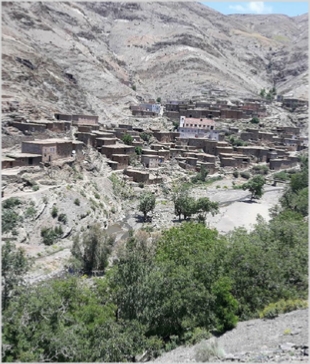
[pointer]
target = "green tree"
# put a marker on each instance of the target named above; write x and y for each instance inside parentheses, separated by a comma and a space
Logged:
(147, 203)
(14, 265)
(69, 320)
(184, 204)
(158, 100)
(127, 139)
(205, 206)
(92, 249)
(255, 186)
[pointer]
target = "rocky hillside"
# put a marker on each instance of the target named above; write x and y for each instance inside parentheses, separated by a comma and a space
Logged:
(86, 57)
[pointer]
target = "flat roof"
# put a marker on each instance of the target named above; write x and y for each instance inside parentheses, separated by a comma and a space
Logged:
(48, 141)
(25, 155)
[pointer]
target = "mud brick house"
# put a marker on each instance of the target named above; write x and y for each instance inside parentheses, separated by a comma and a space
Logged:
(166, 137)
(265, 136)
(232, 114)
(109, 150)
(121, 159)
(150, 161)
(49, 149)
(7, 162)
(87, 128)
(30, 127)
(260, 153)
(88, 139)
(105, 141)
(293, 102)
(22, 159)
(78, 119)
(279, 163)
(137, 175)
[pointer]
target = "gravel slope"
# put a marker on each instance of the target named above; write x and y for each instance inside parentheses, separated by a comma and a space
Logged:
(284, 338)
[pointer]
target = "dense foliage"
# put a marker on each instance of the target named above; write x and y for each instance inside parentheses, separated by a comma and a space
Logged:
(147, 203)
(163, 289)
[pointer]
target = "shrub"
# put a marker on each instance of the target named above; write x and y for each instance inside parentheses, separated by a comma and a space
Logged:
(97, 196)
(62, 218)
(134, 87)
(145, 136)
(35, 187)
(158, 100)
(77, 202)
(283, 306)
(207, 350)
(260, 169)
(254, 120)
(198, 335)
(282, 176)
(11, 202)
(245, 175)
(236, 174)
(30, 212)
(50, 235)
(141, 184)
(54, 212)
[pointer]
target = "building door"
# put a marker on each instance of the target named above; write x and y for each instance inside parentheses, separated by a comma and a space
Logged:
(30, 161)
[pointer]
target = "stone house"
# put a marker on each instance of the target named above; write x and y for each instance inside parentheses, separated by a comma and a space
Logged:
(121, 159)
(30, 127)
(137, 175)
(22, 159)
(109, 150)
(150, 161)
(49, 149)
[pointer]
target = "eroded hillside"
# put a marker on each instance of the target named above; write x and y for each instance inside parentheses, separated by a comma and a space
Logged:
(86, 57)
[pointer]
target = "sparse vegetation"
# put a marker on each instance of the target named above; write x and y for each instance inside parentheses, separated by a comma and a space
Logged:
(54, 212)
(30, 212)
(208, 350)
(245, 175)
(35, 188)
(62, 218)
(51, 235)
(283, 306)
(10, 218)
(77, 202)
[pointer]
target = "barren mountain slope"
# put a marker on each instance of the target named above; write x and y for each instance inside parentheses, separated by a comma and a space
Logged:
(85, 57)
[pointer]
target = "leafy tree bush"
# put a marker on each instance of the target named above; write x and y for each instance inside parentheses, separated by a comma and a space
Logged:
(134, 87)
(282, 176)
(201, 175)
(283, 306)
(245, 175)
(145, 136)
(91, 250)
(236, 174)
(30, 212)
(127, 139)
(138, 150)
(255, 186)
(10, 217)
(14, 265)
(50, 235)
(147, 203)
(158, 100)
(260, 169)
(77, 202)
(254, 120)
(67, 320)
